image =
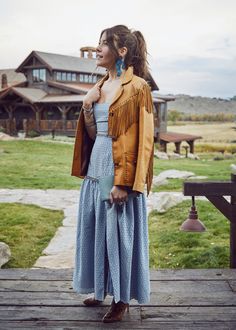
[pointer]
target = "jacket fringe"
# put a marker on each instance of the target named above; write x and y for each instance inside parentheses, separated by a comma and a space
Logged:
(127, 113)
(145, 98)
(150, 172)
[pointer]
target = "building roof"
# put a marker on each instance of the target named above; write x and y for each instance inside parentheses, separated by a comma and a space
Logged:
(68, 63)
(13, 78)
(36, 95)
(62, 98)
(158, 100)
(177, 137)
(32, 95)
(71, 87)
(166, 98)
(63, 63)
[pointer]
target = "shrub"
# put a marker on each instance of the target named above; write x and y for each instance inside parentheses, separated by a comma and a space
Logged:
(33, 133)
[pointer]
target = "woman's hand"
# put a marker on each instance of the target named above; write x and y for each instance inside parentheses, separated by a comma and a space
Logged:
(118, 195)
(92, 96)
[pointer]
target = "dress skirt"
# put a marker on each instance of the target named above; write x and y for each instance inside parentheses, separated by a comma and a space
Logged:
(111, 254)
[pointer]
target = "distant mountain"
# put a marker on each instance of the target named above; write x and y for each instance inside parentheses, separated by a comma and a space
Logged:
(201, 105)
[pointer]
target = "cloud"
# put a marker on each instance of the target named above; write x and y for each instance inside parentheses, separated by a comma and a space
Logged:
(191, 42)
(196, 76)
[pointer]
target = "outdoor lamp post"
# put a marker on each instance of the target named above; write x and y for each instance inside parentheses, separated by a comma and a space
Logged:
(193, 223)
(215, 192)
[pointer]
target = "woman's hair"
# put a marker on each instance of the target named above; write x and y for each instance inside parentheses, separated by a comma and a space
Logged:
(120, 36)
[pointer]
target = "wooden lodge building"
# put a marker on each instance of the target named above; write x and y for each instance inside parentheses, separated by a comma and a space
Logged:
(45, 93)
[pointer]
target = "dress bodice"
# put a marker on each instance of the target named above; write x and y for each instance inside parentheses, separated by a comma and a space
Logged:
(101, 117)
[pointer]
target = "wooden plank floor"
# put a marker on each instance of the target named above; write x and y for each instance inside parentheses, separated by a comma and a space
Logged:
(180, 299)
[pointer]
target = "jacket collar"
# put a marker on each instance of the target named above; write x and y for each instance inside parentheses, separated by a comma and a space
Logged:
(127, 77)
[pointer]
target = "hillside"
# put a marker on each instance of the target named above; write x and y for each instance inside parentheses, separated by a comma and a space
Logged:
(201, 105)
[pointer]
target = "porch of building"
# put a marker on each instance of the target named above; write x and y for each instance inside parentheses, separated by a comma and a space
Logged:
(180, 299)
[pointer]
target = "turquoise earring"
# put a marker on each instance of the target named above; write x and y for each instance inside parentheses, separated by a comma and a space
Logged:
(120, 65)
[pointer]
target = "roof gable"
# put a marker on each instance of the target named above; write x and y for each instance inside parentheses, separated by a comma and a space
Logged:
(61, 63)
(33, 60)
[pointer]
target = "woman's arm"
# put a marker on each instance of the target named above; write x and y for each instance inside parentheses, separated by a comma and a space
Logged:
(92, 96)
(90, 123)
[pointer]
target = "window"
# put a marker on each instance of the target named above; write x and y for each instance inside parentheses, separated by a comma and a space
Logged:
(58, 76)
(39, 75)
(87, 78)
(63, 76)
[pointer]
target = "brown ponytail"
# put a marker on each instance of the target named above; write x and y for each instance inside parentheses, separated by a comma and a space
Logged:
(140, 62)
(120, 36)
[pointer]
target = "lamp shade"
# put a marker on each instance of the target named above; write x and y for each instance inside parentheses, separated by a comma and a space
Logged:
(193, 223)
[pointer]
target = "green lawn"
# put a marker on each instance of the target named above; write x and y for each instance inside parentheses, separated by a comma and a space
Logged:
(45, 165)
(172, 248)
(27, 229)
(215, 170)
(36, 164)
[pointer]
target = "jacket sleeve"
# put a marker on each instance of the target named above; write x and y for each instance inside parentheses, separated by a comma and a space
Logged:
(144, 168)
(82, 149)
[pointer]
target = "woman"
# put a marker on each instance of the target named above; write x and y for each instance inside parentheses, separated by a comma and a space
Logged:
(115, 138)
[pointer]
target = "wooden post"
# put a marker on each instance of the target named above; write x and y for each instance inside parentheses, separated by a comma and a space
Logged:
(191, 145)
(64, 109)
(215, 192)
(37, 110)
(177, 146)
(233, 228)
(12, 121)
(163, 146)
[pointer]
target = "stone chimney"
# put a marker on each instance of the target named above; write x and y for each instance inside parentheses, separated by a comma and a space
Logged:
(89, 51)
(4, 81)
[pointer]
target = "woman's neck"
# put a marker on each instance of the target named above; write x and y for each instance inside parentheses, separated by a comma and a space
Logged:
(113, 75)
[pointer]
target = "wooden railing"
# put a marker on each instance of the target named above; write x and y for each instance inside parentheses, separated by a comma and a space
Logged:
(8, 126)
(58, 125)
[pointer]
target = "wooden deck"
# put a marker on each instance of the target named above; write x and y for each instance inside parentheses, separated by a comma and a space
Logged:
(180, 299)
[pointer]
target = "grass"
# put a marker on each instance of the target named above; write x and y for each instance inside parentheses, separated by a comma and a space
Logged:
(220, 133)
(46, 165)
(37, 165)
(171, 248)
(40, 164)
(206, 166)
(27, 229)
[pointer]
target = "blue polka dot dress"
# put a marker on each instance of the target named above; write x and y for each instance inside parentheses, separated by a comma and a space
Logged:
(112, 240)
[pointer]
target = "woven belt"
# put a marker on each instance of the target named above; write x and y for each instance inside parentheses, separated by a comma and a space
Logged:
(105, 134)
(91, 178)
(102, 134)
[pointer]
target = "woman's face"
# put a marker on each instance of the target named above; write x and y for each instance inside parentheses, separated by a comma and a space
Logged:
(105, 58)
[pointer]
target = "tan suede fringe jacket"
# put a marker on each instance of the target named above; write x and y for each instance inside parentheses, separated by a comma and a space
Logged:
(131, 127)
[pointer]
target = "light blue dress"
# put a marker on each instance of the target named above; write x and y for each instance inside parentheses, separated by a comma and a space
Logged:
(112, 241)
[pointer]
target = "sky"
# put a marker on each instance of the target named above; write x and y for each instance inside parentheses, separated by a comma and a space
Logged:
(191, 43)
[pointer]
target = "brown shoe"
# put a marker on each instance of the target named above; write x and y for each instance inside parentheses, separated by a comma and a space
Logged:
(115, 312)
(92, 302)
